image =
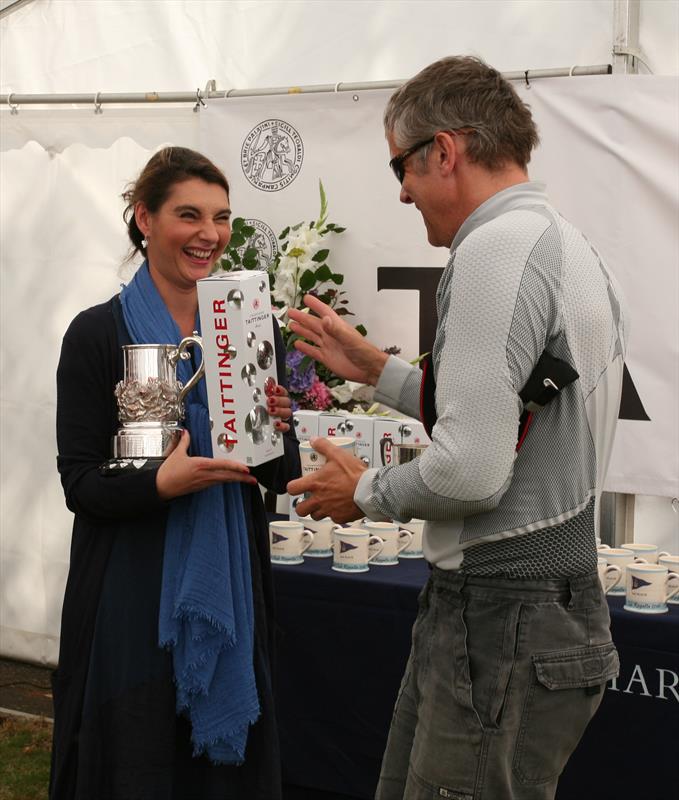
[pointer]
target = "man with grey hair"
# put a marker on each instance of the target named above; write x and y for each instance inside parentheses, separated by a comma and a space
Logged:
(511, 649)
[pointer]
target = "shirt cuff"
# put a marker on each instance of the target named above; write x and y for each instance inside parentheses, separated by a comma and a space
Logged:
(363, 496)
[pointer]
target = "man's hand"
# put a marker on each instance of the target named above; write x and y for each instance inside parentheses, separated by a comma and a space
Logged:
(335, 343)
(332, 487)
(181, 473)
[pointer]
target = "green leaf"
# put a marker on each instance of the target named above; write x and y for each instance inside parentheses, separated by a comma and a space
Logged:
(298, 226)
(237, 240)
(284, 233)
(342, 311)
(237, 223)
(307, 280)
(323, 273)
(320, 256)
(305, 363)
(250, 263)
(251, 252)
(339, 230)
(337, 278)
(235, 257)
(247, 230)
(361, 330)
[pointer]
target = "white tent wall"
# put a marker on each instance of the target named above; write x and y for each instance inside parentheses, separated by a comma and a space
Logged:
(64, 169)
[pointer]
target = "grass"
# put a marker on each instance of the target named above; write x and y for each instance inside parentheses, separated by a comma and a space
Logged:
(25, 746)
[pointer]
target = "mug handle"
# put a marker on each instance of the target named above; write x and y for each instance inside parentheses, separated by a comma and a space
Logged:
(309, 536)
(603, 546)
(373, 540)
(672, 592)
(404, 534)
(612, 569)
(664, 553)
(640, 560)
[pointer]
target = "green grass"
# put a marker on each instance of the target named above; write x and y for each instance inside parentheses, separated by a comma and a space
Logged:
(25, 746)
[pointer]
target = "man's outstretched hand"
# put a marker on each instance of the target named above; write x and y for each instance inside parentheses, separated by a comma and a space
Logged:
(335, 343)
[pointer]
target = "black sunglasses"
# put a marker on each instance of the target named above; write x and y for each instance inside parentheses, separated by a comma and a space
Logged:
(397, 163)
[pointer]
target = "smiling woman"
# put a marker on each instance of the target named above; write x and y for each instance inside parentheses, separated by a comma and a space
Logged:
(163, 687)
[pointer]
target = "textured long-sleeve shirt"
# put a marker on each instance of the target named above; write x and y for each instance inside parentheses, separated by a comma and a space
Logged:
(520, 280)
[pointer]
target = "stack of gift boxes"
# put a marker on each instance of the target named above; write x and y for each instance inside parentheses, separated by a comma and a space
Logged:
(374, 436)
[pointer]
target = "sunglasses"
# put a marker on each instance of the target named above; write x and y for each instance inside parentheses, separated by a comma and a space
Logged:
(397, 163)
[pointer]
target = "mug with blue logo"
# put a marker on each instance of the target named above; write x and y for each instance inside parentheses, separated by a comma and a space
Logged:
(289, 540)
(649, 587)
(353, 549)
(321, 547)
(396, 539)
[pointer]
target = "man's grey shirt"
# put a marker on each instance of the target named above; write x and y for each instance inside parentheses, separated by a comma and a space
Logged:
(520, 279)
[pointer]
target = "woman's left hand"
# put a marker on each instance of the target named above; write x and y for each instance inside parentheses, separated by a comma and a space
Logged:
(278, 404)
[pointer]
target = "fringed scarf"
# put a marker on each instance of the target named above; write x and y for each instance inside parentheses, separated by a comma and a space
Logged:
(206, 613)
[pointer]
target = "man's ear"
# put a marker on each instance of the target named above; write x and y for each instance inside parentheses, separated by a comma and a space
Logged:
(447, 152)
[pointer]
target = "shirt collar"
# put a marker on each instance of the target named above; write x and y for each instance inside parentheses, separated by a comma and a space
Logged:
(530, 193)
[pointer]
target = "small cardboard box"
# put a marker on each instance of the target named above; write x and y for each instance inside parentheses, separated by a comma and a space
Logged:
(306, 424)
(240, 364)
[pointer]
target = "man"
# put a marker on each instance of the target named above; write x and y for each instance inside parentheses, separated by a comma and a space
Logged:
(511, 648)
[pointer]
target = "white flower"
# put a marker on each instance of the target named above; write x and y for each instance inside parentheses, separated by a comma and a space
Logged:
(341, 393)
(284, 288)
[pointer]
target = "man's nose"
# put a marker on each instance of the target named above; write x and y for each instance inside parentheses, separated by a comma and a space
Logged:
(404, 197)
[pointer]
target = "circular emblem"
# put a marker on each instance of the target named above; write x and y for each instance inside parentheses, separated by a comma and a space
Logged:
(263, 240)
(272, 154)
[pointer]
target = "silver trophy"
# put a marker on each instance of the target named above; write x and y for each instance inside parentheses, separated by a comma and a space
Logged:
(151, 401)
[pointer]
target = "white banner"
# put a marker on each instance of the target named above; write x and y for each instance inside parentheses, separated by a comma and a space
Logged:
(608, 157)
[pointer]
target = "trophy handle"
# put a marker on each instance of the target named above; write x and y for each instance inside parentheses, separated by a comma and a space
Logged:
(180, 352)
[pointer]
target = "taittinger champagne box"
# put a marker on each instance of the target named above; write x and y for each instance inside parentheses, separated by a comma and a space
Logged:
(240, 364)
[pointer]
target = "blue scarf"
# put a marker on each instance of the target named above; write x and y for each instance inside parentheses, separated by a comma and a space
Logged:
(206, 614)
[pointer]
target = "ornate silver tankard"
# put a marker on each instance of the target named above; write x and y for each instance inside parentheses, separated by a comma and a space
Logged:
(151, 401)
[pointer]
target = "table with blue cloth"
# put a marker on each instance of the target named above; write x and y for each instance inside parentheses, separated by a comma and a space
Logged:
(343, 642)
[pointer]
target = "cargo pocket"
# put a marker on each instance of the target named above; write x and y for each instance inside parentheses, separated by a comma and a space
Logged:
(565, 691)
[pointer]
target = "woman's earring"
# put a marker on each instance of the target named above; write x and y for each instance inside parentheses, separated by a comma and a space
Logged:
(144, 243)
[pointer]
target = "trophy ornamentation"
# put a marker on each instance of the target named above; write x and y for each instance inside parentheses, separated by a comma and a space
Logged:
(151, 403)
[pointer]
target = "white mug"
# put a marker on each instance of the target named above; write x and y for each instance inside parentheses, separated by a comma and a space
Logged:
(649, 552)
(395, 540)
(620, 557)
(649, 587)
(672, 564)
(313, 461)
(354, 548)
(414, 549)
(609, 574)
(288, 540)
(321, 547)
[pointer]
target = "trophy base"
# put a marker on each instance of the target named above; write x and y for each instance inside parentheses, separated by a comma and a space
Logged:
(118, 465)
(145, 442)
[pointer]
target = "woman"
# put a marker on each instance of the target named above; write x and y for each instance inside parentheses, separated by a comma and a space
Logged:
(163, 688)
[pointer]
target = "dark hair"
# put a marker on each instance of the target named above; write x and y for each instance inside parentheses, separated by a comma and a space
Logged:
(167, 167)
(464, 92)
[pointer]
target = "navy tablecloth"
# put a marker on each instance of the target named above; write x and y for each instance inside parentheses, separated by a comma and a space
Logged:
(343, 641)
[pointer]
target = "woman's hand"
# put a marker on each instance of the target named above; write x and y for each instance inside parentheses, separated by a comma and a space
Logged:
(335, 343)
(181, 473)
(278, 404)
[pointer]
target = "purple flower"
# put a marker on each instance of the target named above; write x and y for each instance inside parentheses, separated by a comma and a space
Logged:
(299, 380)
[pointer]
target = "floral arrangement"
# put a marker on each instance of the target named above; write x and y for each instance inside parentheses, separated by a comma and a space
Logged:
(299, 267)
